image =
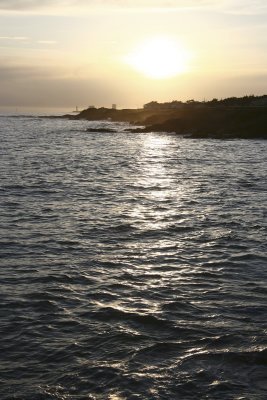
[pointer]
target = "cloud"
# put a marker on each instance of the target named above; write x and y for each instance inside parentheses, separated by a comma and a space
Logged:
(19, 5)
(27, 5)
(10, 72)
(22, 38)
(49, 42)
(25, 39)
(24, 85)
(62, 7)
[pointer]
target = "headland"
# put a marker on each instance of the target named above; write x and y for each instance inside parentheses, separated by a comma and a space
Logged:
(232, 118)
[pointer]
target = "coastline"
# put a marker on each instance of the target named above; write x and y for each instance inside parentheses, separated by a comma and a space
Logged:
(192, 122)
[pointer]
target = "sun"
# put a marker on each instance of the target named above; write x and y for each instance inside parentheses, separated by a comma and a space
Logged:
(159, 58)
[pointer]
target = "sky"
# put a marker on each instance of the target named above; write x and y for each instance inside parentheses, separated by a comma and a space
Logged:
(63, 53)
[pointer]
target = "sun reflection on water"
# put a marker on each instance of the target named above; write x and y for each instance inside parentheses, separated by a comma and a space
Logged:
(116, 397)
(156, 184)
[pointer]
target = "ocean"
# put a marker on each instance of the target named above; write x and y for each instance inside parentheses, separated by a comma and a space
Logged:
(133, 266)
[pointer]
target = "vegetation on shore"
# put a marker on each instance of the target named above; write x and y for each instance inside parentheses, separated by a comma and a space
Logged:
(205, 120)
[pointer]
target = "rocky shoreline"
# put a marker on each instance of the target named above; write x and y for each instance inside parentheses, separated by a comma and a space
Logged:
(193, 122)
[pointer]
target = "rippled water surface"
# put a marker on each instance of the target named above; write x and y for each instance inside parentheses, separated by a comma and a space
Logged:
(133, 266)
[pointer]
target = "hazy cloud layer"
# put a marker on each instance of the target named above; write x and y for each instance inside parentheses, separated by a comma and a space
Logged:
(54, 87)
(15, 73)
(24, 4)
(19, 38)
(36, 4)
(50, 87)
(63, 6)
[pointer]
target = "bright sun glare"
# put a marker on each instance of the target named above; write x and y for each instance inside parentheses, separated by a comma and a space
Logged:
(159, 58)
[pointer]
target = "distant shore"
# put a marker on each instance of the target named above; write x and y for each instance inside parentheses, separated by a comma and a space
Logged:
(194, 122)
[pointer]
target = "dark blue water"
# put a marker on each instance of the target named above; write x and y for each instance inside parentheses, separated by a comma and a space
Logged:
(133, 266)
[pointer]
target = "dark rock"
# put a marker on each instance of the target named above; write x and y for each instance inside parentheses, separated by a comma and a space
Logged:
(100, 130)
(195, 122)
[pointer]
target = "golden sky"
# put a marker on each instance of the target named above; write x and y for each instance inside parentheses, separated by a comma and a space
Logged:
(98, 52)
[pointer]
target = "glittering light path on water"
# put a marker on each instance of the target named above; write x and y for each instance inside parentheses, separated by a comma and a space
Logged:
(133, 266)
